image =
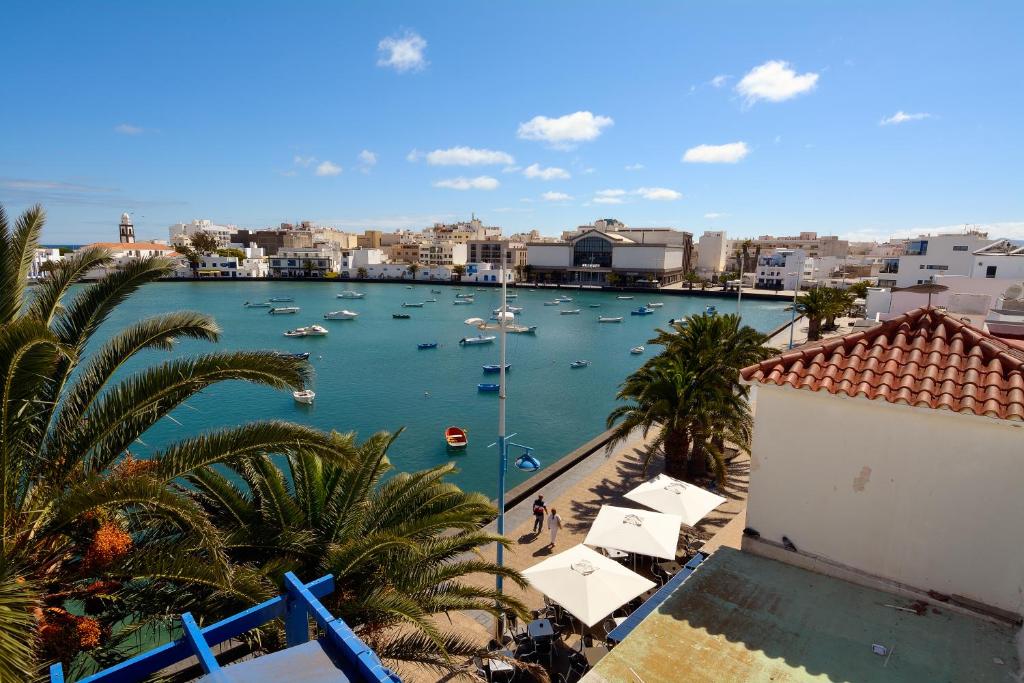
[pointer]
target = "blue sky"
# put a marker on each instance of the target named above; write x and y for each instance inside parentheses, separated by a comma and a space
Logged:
(538, 114)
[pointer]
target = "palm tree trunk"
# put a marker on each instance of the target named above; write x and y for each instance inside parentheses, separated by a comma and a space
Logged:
(677, 450)
(697, 465)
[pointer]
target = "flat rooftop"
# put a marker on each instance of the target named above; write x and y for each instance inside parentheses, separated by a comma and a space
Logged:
(741, 617)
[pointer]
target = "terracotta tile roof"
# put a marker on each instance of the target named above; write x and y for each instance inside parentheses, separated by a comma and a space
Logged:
(120, 246)
(922, 358)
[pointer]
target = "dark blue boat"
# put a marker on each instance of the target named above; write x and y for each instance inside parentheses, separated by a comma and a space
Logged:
(488, 387)
(430, 345)
(643, 310)
(497, 368)
(299, 356)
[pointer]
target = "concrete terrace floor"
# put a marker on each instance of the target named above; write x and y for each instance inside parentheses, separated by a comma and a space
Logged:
(741, 617)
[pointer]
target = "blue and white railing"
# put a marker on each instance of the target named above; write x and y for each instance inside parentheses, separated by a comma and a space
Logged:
(299, 602)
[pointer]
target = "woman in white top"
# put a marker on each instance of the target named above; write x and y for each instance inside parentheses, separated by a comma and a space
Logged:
(554, 524)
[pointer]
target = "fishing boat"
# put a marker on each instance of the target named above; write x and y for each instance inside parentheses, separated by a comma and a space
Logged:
(595, 305)
(400, 316)
(296, 356)
(257, 304)
(435, 291)
(673, 321)
(349, 294)
(710, 310)
(574, 311)
(456, 437)
(462, 302)
(509, 309)
(643, 310)
(488, 387)
(579, 364)
(609, 319)
(552, 303)
(464, 296)
(509, 297)
(310, 331)
(431, 301)
(636, 350)
(305, 396)
(497, 368)
(656, 304)
(521, 329)
(341, 315)
(625, 298)
(479, 339)
(427, 345)
(283, 310)
(281, 299)
(563, 298)
(406, 304)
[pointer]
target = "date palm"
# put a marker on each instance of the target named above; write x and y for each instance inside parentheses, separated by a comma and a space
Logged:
(400, 547)
(690, 393)
(84, 523)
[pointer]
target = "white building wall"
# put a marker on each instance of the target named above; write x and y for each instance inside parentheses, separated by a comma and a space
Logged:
(1003, 266)
(711, 252)
(549, 255)
(931, 499)
(41, 256)
(644, 258)
(945, 255)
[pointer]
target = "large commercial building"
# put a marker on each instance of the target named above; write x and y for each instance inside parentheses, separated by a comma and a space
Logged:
(594, 257)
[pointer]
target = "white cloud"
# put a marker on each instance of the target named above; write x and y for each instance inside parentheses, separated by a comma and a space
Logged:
(610, 193)
(588, 171)
(728, 153)
(634, 167)
(299, 160)
(775, 81)
(715, 214)
(367, 160)
(902, 117)
(607, 200)
(402, 52)
(535, 172)
(720, 80)
(564, 131)
(468, 156)
(128, 129)
(413, 156)
(327, 168)
(556, 197)
(660, 194)
(479, 183)
(609, 196)
(511, 169)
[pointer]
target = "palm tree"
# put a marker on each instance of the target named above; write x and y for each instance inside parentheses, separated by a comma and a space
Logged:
(85, 524)
(842, 301)
(458, 270)
(691, 278)
(399, 547)
(690, 393)
(413, 269)
(819, 305)
(859, 289)
(361, 273)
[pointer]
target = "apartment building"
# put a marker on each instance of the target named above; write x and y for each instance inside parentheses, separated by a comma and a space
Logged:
(781, 270)
(272, 240)
(180, 234)
(711, 252)
(304, 262)
(493, 251)
(931, 255)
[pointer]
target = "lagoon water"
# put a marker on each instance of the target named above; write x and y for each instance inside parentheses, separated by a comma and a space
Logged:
(370, 375)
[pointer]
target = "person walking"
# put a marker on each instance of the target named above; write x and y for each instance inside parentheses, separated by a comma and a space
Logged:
(554, 524)
(539, 510)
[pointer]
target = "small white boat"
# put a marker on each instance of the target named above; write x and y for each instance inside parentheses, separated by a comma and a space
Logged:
(278, 299)
(283, 310)
(579, 364)
(341, 315)
(636, 350)
(462, 302)
(310, 331)
(479, 339)
(595, 305)
(552, 303)
(624, 298)
(563, 298)
(305, 396)
(656, 304)
(257, 304)
(430, 301)
(408, 305)
(609, 319)
(521, 329)
(574, 311)
(464, 296)
(508, 309)
(511, 296)
(349, 294)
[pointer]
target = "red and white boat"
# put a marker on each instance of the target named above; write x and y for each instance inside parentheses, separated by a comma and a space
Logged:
(455, 437)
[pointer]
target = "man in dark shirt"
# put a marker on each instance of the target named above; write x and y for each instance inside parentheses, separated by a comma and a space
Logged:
(539, 510)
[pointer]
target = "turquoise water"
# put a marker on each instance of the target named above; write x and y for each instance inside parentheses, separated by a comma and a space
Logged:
(370, 375)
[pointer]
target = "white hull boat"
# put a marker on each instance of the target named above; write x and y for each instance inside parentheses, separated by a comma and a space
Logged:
(636, 350)
(284, 310)
(574, 311)
(349, 294)
(310, 331)
(656, 304)
(305, 396)
(479, 339)
(258, 304)
(609, 319)
(341, 315)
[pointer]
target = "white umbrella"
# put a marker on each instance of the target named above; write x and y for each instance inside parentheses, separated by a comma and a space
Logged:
(674, 497)
(586, 583)
(636, 531)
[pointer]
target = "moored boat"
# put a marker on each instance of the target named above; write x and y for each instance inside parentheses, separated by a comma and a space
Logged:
(643, 310)
(257, 304)
(624, 298)
(341, 315)
(609, 319)
(283, 310)
(636, 350)
(400, 316)
(296, 356)
(563, 298)
(435, 291)
(655, 304)
(488, 387)
(595, 305)
(479, 339)
(711, 310)
(456, 437)
(309, 331)
(497, 368)
(552, 303)
(349, 294)
(406, 304)
(579, 364)
(574, 311)
(521, 329)
(427, 345)
(304, 396)
(430, 301)
(281, 299)
(462, 302)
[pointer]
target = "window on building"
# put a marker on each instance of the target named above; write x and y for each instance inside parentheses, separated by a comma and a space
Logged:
(960, 247)
(990, 272)
(593, 251)
(917, 248)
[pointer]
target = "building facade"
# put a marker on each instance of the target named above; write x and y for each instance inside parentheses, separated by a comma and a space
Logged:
(493, 251)
(180, 234)
(781, 270)
(711, 252)
(274, 239)
(602, 258)
(927, 256)
(303, 262)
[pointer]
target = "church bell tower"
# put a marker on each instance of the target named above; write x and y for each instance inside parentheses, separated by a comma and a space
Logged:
(127, 229)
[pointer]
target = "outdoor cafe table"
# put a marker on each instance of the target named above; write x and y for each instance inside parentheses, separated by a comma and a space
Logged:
(501, 667)
(540, 628)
